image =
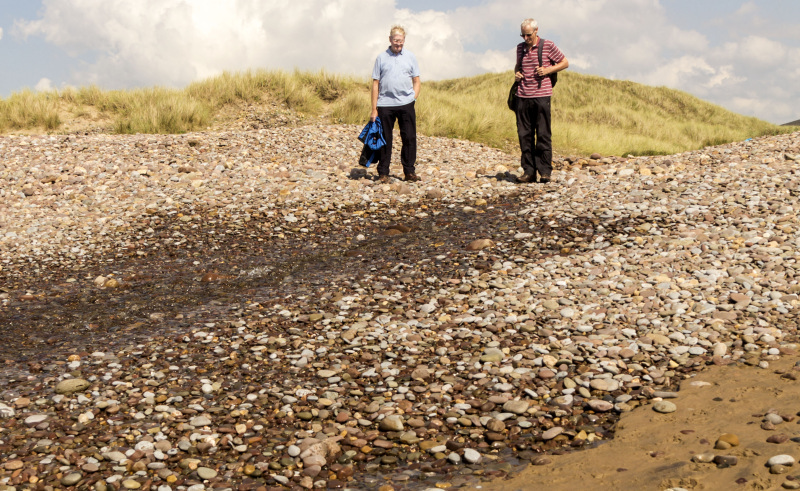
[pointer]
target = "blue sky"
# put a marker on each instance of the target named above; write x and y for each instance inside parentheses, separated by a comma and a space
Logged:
(742, 55)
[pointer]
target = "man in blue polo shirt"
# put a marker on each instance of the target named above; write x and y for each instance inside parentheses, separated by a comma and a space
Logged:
(395, 88)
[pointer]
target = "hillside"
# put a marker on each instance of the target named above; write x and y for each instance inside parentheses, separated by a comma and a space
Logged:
(591, 114)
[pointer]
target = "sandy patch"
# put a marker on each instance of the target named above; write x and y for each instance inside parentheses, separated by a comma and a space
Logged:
(654, 451)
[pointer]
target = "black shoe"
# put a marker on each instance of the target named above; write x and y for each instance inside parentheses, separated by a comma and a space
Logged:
(544, 179)
(412, 178)
(526, 178)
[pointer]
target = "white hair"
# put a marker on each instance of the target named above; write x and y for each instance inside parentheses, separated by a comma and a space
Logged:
(529, 22)
(397, 30)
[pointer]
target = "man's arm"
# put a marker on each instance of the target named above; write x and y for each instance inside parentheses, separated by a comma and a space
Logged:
(375, 88)
(561, 65)
(417, 87)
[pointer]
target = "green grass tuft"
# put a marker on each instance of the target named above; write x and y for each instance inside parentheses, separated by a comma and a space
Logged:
(590, 114)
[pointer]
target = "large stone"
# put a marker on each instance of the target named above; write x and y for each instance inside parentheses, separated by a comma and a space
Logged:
(71, 385)
(393, 422)
(516, 407)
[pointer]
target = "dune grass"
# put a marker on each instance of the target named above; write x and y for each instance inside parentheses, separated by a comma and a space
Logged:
(590, 114)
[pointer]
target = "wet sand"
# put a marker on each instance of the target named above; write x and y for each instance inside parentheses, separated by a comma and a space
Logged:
(654, 451)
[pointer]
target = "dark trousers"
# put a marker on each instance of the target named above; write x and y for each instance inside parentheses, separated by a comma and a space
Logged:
(533, 129)
(406, 118)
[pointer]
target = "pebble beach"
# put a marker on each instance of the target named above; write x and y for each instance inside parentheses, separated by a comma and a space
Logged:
(250, 309)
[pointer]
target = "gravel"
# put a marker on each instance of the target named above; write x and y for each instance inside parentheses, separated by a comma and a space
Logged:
(442, 365)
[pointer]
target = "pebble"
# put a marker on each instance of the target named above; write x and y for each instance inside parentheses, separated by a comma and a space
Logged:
(71, 479)
(783, 459)
(472, 456)
(726, 460)
(728, 439)
(422, 352)
(206, 473)
(71, 385)
(664, 407)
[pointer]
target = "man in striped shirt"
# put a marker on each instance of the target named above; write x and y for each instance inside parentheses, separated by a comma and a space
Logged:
(533, 106)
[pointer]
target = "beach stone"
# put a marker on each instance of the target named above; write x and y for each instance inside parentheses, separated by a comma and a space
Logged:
(780, 438)
(729, 439)
(478, 244)
(492, 355)
(552, 433)
(472, 456)
(200, 421)
(703, 458)
(393, 422)
(6, 411)
(516, 407)
(783, 459)
(600, 406)
(206, 473)
(71, 479)
(35, 419)
(664, 407)
(726, 460)
(71, 385)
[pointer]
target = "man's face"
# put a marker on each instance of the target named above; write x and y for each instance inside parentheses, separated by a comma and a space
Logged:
(397, 42)
(529, 35)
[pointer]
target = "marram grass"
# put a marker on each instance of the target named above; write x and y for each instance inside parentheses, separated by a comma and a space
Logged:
(590, 114)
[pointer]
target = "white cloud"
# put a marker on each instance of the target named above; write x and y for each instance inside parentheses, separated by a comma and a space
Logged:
(1, 33)
(44, 85)
(119, 43)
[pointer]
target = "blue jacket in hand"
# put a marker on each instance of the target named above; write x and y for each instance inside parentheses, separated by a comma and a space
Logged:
(372, 137)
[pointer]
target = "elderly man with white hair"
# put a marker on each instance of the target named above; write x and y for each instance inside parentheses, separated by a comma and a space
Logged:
(537, 61)
(395, 88)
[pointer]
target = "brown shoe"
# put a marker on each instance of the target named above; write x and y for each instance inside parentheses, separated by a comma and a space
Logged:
(525, 178)
(384, 179)
(412, 178)
(544, 179)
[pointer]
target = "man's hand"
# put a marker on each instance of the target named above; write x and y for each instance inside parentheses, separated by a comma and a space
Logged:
(519, 76)
(373, 115)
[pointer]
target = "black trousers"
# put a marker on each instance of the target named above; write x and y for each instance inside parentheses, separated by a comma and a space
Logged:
(406, 118)
(533, 129)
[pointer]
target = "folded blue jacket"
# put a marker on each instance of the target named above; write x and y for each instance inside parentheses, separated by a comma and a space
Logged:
(372, 137)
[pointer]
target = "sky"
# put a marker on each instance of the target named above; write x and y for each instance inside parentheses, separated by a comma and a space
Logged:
(742, 55)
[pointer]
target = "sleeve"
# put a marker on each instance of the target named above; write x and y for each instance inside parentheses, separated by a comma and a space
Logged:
(554, 54)
(414, 67)
(376, 69)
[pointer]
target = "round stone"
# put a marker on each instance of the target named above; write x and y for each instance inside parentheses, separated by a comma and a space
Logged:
(729, 439)
(472, 456)
(72, 385)
(71, 479)
(783, 459)
(664, 407)
(206, 473)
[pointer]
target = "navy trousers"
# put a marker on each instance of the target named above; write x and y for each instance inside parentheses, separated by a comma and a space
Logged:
(406, 118)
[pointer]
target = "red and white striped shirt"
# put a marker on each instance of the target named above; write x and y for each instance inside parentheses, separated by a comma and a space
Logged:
(533, 85)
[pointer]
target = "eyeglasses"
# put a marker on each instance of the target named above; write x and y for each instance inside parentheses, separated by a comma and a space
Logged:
(527, 35)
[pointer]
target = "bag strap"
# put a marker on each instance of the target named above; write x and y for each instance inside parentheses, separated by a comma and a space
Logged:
(539, 49)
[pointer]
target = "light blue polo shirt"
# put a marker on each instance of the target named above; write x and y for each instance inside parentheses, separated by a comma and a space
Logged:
(395, 71)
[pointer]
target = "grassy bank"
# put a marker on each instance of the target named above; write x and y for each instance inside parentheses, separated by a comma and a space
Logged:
(590, 114)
